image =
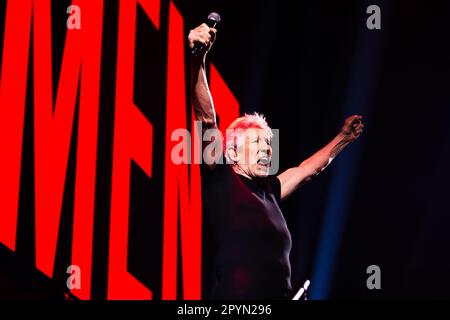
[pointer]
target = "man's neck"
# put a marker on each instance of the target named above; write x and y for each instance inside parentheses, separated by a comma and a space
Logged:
(261, 181)
(241, 172)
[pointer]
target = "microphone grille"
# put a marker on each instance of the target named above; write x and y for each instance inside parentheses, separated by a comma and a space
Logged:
(214, 16)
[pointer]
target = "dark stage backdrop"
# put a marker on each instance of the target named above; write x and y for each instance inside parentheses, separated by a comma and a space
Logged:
(305, 65)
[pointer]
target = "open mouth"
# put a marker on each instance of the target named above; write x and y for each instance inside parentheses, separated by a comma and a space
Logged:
(264, 161)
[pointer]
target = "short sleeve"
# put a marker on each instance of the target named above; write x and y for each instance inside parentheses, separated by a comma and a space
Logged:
(275, 186)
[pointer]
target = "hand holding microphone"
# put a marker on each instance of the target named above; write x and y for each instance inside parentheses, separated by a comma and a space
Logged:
(201, 38)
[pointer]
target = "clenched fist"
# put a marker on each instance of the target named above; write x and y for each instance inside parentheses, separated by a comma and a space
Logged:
(202, 34)
(352, 127)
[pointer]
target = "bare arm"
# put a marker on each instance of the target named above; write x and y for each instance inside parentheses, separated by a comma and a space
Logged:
(292, 178)
(201, 96)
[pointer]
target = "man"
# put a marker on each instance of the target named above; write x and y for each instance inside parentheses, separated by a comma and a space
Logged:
(247, 242)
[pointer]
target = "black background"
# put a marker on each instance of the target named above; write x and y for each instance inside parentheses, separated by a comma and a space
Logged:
(292, 61)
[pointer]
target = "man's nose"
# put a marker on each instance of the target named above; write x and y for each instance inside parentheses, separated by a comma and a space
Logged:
(266, 149)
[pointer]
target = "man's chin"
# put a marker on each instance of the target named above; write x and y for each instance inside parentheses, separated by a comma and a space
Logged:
(262, 172)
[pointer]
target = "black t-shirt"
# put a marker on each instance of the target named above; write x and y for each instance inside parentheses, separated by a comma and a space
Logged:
(246, 239)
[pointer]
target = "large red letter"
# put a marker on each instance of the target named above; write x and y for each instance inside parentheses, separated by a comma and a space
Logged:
(182, 198)
(132, 141)
(53, 131)
(177, 193)
(13, 83)
(83, 220)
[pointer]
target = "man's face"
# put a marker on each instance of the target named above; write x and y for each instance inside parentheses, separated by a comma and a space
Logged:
(255, 153)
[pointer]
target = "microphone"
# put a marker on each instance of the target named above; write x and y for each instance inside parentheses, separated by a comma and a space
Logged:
(302, 291)
(213, 21)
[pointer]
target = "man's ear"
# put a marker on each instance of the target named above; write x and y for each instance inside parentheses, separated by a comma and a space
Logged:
(232, 154)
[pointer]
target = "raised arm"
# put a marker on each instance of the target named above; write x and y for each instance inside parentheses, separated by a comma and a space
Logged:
(292, 178)
(200, 94)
